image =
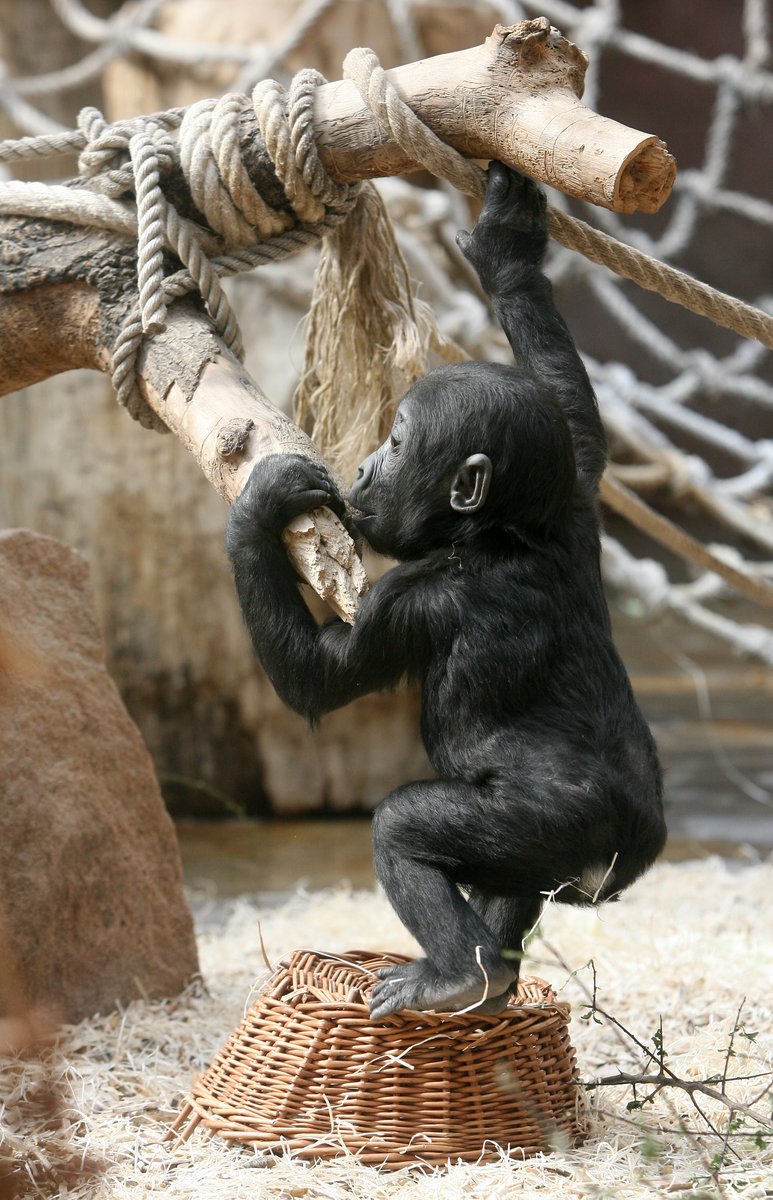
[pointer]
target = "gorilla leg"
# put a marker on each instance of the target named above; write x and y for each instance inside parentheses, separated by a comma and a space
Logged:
(510, 919)
(429, 837)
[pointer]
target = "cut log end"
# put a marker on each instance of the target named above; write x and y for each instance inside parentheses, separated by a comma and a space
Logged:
(554, 137)
(646, 179)
(324, 555)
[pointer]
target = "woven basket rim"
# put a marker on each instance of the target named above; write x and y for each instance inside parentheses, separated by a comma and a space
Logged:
(356, 1009)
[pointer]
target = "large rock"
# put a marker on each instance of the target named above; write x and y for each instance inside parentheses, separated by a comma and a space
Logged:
(90, 880)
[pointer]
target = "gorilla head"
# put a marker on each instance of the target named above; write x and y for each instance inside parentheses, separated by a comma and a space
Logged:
(474, 446)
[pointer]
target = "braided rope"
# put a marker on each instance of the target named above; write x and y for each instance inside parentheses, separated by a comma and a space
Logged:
(248, 203)
(45, 145)
(656, 276)
(150, 222)
(57, 202)
(400, 123)
(250, 232)
(129, 157)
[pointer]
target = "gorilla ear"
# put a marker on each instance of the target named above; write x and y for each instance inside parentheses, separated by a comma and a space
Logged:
(470, 487)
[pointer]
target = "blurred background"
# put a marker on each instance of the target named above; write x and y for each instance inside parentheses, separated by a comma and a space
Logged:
(688, 408)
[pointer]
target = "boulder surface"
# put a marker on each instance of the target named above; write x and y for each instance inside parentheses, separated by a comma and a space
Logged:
(91, 895)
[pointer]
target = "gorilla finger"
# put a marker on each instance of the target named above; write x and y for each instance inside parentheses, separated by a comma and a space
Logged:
(390, 972)
(336, 503)
(380, 1011)
(385, 988)
(308, 470)
(500, 179)
(504, 189)
(321, 477)
(537, 197)
(304, 501)
(384, 1004)
(317, 467)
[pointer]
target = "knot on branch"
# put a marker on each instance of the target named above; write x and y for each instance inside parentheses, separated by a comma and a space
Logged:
(536, 44)
(232, 437)
(199, 151)
(137, 156)
(399, 122)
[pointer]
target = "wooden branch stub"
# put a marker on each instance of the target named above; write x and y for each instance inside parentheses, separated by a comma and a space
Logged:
(516, 98)
(232, 437)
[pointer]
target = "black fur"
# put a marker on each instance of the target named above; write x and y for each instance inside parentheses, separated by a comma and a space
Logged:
(548, 779)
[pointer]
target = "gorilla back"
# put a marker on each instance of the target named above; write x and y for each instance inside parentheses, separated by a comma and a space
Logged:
(486, 492)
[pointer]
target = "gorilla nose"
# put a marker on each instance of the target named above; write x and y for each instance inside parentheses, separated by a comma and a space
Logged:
(364, 476)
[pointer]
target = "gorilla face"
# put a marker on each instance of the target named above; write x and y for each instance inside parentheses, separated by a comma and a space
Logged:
(473, 446)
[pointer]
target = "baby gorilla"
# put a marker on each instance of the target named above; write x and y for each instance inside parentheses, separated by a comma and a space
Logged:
(486, 491)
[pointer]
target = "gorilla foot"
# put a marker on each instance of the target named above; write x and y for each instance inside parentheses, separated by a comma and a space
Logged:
(419, 987)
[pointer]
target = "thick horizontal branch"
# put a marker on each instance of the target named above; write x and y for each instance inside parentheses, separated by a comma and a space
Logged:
(516, 98)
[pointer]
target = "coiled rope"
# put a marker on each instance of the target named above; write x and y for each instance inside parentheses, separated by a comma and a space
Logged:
(128, 157)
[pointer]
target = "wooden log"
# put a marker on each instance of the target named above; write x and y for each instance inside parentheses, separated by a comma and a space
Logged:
(515, 98)
(222, 417)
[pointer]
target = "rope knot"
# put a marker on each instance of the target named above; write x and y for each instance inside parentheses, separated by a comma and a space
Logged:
(686, 472)
(133, 155)
(400, 124)
(105, 146)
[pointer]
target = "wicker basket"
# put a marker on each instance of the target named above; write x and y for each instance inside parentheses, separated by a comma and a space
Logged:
(308, 1073)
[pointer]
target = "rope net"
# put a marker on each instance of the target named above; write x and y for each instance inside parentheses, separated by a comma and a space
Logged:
(670, 420)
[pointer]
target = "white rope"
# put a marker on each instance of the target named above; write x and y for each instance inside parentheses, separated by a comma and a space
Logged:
(648, 581)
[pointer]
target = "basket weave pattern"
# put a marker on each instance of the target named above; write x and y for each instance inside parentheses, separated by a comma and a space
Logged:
(307, 1072)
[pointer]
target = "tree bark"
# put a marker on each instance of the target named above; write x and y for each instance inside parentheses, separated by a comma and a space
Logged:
(67, 290)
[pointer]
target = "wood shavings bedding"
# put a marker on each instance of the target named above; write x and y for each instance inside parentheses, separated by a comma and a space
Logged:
(687, 944)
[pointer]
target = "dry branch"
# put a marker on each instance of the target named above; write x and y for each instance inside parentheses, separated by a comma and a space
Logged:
(515, 98)
(227, 423)
(67, 290)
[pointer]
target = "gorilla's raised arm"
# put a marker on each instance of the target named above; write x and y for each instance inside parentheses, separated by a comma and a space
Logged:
(507, 247)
